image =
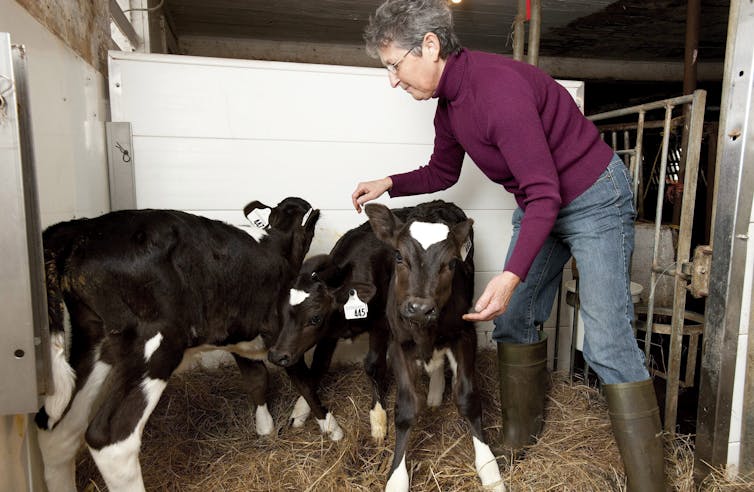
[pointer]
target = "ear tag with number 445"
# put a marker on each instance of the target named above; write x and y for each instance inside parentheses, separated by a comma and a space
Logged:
(355, 308)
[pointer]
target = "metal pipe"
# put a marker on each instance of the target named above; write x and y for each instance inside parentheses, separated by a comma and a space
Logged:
(658, 223)
(673, 101)
(535, 27)
(639, 170)
(676, 121)
(519, 31)
(124, 25)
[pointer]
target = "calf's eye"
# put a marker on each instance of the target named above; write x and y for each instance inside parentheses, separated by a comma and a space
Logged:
(315, 320)
(398, 257)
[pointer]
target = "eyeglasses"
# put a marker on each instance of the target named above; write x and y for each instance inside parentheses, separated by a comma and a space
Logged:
(393, 67)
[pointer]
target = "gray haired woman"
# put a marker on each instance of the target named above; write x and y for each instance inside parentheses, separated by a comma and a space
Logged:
(574, 195)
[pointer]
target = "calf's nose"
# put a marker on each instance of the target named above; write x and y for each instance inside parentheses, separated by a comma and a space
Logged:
(279, 358)
(419, 309)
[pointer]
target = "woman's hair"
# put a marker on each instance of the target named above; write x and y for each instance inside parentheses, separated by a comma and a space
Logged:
(405, 22)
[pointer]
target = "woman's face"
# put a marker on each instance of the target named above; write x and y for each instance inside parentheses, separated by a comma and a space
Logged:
(417, 73)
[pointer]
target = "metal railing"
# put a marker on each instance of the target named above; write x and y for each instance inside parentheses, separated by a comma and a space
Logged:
(633, 156)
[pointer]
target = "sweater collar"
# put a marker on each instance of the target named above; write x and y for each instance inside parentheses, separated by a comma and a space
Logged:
(452, 75)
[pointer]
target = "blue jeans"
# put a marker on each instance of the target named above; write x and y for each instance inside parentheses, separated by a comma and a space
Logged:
(597, 228)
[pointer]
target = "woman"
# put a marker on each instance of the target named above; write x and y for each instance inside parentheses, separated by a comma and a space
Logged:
(524, 131)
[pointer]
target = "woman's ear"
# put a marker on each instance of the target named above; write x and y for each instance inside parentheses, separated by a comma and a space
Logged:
(431, 45)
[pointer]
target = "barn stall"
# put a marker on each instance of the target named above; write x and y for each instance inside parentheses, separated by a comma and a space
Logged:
(189, 132)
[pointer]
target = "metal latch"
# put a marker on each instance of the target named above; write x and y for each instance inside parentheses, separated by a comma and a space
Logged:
(698, 270)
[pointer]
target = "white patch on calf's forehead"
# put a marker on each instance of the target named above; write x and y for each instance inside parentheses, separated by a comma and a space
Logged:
(427, 233)
(298, 296)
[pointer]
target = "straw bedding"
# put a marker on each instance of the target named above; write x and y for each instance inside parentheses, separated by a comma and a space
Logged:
(201, 438)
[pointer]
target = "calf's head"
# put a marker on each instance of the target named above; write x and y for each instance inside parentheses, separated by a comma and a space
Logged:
(293, 218)
(428, 250)
(315, 307)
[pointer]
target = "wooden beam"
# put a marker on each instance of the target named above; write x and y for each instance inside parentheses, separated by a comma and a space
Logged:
(355, 55)
(123, 24)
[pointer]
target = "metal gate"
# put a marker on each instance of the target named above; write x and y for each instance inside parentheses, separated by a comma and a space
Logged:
(682, 269)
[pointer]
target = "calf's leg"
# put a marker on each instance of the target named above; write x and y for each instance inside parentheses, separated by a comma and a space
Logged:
(436, 370)
(130, 394)
(406, 408)
(60, 445)
(306, 385)
(255, 380)
(462, 356)
(114, 436)
(320, 364)
(375, 365)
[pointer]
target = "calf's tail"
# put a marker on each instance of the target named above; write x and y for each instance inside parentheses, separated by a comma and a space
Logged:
(63, 376)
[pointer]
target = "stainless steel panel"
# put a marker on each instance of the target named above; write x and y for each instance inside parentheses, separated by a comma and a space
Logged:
(120, 164)
(730, 243)
(21, 249)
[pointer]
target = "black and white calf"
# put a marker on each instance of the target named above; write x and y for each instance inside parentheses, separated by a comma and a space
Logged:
(142, 288)
(341, 295)
(431, 288)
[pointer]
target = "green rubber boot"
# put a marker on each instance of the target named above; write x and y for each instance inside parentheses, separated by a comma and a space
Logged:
(523, 383)
(636, 424)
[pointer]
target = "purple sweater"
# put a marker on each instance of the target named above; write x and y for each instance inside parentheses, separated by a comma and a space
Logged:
(523, 130)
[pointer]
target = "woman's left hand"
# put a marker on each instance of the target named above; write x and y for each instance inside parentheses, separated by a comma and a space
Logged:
(495, 298)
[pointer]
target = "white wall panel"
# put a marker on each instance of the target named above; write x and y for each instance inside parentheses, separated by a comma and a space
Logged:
(212, 134)
(217, 98)
(199, 173)
(68, 109)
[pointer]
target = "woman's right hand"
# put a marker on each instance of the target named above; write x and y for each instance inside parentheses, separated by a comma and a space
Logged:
(369, 190)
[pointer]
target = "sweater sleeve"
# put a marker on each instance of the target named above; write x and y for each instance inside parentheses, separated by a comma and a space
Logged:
(514, 125)
(444, 165)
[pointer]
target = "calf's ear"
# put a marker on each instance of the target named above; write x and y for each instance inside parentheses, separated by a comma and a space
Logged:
(334, 276)
(384, 224)
(463, 231)
(311, 220)
(253, 205)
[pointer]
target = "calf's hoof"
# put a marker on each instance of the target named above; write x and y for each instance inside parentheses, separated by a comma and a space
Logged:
(300, 412)
(264, 423)
(378, 421)
(330, 427)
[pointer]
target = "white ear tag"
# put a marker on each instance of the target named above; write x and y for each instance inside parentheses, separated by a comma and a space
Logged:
(306, 217)
(259, 217)
(465, 248)
(355, 308)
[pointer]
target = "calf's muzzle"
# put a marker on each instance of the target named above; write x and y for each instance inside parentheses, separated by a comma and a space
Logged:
(421, 310)
(282, 359)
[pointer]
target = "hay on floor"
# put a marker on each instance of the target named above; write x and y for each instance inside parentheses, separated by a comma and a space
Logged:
(201, 438)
